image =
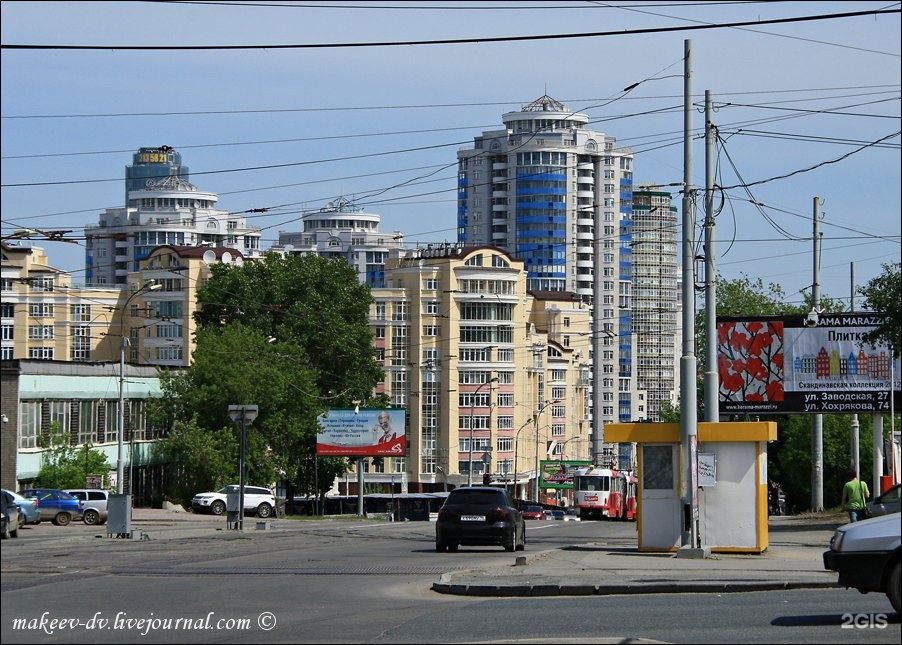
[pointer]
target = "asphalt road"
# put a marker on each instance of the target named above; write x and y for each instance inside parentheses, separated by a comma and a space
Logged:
(368, 582)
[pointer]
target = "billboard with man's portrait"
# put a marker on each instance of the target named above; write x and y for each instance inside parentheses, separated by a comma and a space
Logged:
(362, 433)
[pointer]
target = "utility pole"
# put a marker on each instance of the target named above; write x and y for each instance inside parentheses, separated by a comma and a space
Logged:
(711, 381)
(854, 426)
(688, 411)
(817, 421)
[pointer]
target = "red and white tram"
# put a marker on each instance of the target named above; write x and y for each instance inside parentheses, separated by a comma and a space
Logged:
(604, 492)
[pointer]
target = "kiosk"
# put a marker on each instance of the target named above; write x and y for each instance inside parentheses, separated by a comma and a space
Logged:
(732, 493)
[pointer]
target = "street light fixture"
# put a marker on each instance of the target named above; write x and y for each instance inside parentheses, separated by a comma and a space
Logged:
(516, 449)
(494, 379)
(536, 423)
(150, 285)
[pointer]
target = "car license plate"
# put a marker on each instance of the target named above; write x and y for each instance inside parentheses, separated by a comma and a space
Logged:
(472, 518)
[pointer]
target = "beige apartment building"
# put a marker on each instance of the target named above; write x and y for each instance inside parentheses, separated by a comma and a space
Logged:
(495, 379)
(45, 317)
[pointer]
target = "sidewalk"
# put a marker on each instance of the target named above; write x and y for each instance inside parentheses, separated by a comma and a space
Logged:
(793, 560)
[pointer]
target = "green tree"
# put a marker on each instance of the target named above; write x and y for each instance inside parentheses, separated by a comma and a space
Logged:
(882, 296)
(64, 465)
(789, 457)
(202, 459)
(290, 335)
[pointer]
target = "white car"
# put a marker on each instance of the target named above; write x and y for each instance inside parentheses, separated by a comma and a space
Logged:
(257, 500)
(867, 555)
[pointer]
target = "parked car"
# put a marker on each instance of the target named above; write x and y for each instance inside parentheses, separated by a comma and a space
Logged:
(533, 513)
(55, 505)
(28, 509)
(558, 515)
(9, 522)
(479, 516)
(867, 555)
(257, 500)
(94, 501)
(886, 503)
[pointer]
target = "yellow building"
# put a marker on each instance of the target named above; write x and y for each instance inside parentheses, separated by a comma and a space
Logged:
(491, 375)
(160, 322)
(45, 317)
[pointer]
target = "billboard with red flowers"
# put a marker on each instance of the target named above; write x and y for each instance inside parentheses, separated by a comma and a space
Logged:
(777, 365)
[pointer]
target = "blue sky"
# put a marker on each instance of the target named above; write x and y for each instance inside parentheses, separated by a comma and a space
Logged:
(289, 129)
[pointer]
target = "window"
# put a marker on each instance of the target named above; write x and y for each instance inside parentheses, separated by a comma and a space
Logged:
(505, 444)
(111, 422)
(40, 310)
(40, 353)
(29, 424)
(40, 332)
(80, 313)
(87, 422)
(60, 415)
(431, 330)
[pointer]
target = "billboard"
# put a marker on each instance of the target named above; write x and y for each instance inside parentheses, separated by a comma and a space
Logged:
(559, 474)
(788, 364)
(364, 433)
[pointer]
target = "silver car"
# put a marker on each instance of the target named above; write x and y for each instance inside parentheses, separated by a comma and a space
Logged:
(94, 501)
(886, 503)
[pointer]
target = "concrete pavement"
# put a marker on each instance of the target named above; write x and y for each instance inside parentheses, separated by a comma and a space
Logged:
(793, 560)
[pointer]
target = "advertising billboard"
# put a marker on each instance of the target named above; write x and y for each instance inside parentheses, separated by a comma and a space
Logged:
(363, 433)
(791, 364)
(559, 474)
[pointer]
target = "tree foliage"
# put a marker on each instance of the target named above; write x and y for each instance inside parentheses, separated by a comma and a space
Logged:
(790, 463)
(289, 335)
(882, 296)
(202, 459)
(64, 465)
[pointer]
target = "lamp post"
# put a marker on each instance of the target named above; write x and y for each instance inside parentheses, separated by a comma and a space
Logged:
(150, 285)
(494, 379)
(516, 449)
(536, 424)
(564, 454)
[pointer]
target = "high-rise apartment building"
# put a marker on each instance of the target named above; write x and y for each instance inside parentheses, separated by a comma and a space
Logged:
(169, 210)
(554, 193)
(342, 230)
(150, 165)
(535, 189)
(654, 301)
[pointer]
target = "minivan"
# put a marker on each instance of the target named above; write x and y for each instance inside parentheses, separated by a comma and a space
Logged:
(94, 501)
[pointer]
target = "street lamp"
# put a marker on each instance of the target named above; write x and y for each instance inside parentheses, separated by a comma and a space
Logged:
(494, 379)
(536, 423)
(150, 285)
(516, 449)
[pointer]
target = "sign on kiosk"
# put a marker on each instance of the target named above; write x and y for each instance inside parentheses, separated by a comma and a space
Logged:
(362, 433)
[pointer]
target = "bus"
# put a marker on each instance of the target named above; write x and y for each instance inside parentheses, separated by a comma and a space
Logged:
(604, 492)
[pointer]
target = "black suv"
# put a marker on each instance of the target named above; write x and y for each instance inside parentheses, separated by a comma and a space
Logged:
(479, 516)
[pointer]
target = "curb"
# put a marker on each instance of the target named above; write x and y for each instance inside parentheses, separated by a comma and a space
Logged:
(501, 591)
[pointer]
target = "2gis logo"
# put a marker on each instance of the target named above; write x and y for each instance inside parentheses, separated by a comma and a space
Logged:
(863, 621)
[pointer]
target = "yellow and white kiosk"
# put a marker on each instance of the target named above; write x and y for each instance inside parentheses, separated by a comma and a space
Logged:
(732, 494)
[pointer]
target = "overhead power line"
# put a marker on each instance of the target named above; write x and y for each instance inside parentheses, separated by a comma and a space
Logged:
(458, 41)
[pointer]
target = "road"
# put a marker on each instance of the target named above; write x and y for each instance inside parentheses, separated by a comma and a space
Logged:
(369, 582)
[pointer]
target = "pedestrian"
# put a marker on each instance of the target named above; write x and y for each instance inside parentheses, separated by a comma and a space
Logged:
(854, 497)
